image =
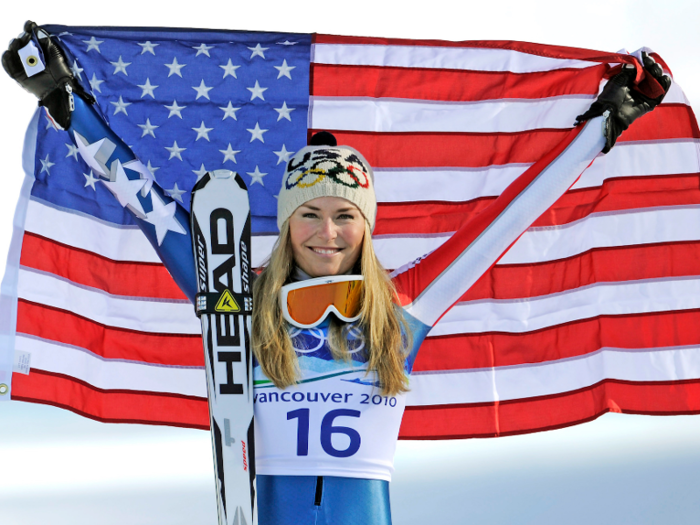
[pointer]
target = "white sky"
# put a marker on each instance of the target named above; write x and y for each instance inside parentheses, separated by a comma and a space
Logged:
(59, 468)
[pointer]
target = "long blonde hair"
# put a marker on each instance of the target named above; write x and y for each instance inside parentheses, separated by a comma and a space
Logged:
(386, 334)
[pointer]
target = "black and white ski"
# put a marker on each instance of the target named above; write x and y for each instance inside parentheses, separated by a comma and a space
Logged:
(220, 220)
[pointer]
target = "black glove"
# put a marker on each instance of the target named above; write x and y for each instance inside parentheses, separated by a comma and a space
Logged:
(625, 101)
(39, 65)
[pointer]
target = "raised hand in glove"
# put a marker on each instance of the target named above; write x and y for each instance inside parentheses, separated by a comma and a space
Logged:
(39, 65)
(625, 102)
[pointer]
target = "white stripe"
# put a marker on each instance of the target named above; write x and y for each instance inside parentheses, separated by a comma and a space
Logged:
(407, 115)
(449, 185)
(623, 228)
(627, 159)
(150, 315)
(112, 374)
(635, 159)
(465, 58)
(476, 259)
(554, 377)
(81, 231)
(535, 313)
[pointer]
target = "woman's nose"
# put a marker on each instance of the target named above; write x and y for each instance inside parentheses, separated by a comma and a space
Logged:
(328, 230)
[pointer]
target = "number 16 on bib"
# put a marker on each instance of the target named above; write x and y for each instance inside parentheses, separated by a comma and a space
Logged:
(220, 218)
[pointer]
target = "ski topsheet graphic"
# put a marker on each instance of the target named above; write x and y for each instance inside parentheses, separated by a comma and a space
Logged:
(220, 218)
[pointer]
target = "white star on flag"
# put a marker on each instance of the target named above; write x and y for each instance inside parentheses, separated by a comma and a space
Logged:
(202, 90)
(175, 109)
(175, 151)
(202, 49)
(120, 107)
(46, 165)
(152, 169)
(229, 111)
(125, 189)
(147, 47)
(229, 153)
(148, 128)
(283, 155)
(72, 151)
(175, 193)
(258, 51)
(76, 69)
(95, 84)
(284, 112)
(147, 88)
(284, 70)
(256, 91)
(93, 44)
(90, 180)
(163, 218)
(202, 132)
(174, 68)
(201, 172)
(229, 69)
(256, 176)
(120, 66)
(256, 133)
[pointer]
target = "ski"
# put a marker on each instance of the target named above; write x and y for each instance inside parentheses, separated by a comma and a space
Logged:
(220, 220)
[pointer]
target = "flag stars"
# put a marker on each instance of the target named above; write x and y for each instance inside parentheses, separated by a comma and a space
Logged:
(283, 155)
(120, 106)
(229, 154)
(152, 169)
(256, 133)
(202, 132)
(175, 151)
(229, 69)
(95, 83)
(147, 88)
(46, 165)
(148, 47)
(72, 151)
(147, 128)
(175, 193)
(201, 172)
(284, 112)
(174, 68)
(287, 43)
(256, 176)
(93, 44)
(175, 110)
(202, 90)
(258, 51)
(256, 91)
(284, 70)
(76, 69)
(120, 66)
(229, 111)
(203, 49)
(90, 180)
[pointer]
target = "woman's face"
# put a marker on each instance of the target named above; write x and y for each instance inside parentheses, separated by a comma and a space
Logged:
(326, 236)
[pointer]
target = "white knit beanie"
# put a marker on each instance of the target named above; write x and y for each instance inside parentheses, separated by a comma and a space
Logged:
(327, 170)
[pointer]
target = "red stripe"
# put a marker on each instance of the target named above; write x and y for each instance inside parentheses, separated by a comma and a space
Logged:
(107, 341)
(485, 350)
(452, 85)
(400, 150)
(550, 412)
(413, 281)
(110, 406)
(625, 193)
(600, 265)
(133, 279)
(562, 52)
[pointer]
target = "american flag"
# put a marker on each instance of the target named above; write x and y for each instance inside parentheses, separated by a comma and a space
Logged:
(594, 309)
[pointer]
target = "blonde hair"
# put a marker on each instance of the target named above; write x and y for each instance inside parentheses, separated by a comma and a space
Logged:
(386, 334)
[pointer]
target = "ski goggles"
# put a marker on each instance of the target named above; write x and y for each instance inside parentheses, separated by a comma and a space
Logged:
(306, 304)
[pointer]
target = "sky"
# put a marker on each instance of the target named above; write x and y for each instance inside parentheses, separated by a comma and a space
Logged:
(60, 468)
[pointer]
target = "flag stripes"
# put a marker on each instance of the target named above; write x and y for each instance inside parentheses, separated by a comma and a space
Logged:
(593, 309)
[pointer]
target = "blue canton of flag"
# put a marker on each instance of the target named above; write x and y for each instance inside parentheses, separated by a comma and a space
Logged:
(239, 101)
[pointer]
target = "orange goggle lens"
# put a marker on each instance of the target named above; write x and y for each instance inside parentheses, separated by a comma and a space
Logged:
(308, 305)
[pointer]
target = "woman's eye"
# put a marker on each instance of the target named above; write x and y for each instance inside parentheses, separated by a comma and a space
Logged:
(309, 215)
(346, 216)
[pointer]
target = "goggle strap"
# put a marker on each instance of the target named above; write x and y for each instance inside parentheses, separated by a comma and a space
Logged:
(225, 302)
